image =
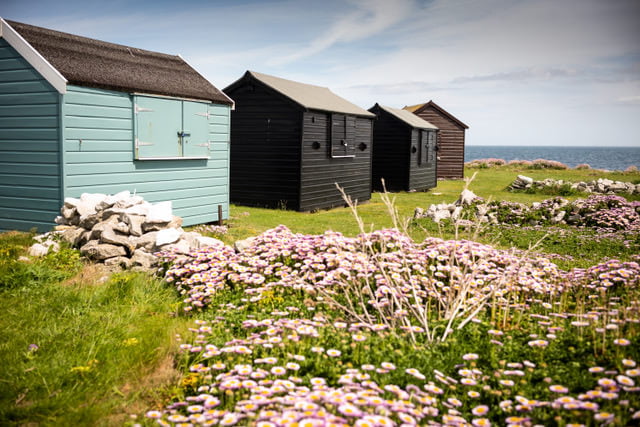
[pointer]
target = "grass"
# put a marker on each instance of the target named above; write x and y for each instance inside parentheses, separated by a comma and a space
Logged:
(79, 349)
(584, 246)
(85, 351)
(489, 184)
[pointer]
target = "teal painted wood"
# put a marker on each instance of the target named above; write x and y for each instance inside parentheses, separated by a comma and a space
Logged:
(158, 121)
(29, 146)
(99, 156)
(195, 121)
(29, 203)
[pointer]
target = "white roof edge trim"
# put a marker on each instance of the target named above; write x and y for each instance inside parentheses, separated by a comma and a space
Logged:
(33, 57)
(233, 103)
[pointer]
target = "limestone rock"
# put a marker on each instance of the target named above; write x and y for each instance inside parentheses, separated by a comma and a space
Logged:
(167, 236)
(67, 213)
(99, 228)
(101, 251)
(88, 221)
(135, 223)
(180, 247)
(111, 237)
(143, 259)
(160, 212)
(204, 241)
(71, 202)
(147, 241)
(241, 245)
(72, 235)
(120, 261)
(467, 197)
(38, 250)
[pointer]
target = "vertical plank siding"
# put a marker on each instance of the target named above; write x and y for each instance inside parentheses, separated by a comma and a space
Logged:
(391, 152)
(265, 149)
(396, 155)
(30, 193)
(320, 172)
(450, 141)
(422, 176)
(99, 157)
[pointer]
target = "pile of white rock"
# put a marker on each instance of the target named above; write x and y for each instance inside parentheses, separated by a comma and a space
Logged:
(447, 210)
(600, 186)
(120, 230)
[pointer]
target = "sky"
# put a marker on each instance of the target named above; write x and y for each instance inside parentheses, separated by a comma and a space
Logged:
(517, 72)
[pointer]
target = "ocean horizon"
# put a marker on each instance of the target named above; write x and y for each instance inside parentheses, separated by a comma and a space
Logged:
(610, 158)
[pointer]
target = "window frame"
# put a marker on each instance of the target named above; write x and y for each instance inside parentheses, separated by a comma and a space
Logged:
(346, 141)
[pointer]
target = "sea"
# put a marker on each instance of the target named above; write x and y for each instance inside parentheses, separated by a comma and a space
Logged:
(610, 158)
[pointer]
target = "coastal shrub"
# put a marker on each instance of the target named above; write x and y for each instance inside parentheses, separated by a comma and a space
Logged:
(551, 346)
(393, 271)
(564, 189)
(583, 166)
(547, 164)
(602, 212)
(524, 163)
(485, 163)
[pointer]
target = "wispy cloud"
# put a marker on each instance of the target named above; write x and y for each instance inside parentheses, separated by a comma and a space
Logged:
(632, 99)
(489, 61)
(370, 17)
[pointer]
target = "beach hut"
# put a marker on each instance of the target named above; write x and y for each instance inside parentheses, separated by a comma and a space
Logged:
(450, 138)
(404, 152)
(291, 142)
(79, 115)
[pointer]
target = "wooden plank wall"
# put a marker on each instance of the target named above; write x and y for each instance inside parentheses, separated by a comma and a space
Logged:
(99, 156)
(30, 193)
(422, 176)
(265, 148)
(320, 172)
(451, 142)
(391, 152)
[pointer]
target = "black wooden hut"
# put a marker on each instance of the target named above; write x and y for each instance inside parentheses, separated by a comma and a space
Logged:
(404, 150)
(292, 142)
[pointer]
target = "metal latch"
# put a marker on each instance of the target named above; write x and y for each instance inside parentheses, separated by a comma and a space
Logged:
(183, 133)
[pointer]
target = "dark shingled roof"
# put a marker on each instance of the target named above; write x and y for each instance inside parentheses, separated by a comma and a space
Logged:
(94, 63)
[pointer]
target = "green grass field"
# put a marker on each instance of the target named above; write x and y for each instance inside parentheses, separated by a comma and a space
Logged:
(80, 347)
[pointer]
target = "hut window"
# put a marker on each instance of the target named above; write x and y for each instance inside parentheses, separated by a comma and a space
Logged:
(343, 132)
(170, 128)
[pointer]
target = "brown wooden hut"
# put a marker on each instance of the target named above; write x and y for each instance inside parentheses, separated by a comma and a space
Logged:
(292, 142)
(450, 138)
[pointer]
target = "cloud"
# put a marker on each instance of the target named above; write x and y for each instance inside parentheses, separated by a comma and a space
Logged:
(525, 75)
(632, 99)
(369, 18)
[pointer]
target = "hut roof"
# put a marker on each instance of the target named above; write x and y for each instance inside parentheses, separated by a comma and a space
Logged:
(419, 107)
(88, 62)
(408, 117)
(308, 96)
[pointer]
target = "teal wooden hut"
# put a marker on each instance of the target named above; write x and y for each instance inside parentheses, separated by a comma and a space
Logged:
(79, 115)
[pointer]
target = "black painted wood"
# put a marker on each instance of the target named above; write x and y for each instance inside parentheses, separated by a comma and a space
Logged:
(281, 153)
(397, 150)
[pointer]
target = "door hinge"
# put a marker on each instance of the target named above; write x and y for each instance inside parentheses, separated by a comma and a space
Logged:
(139, 109)
(204, 144)
(206, 114)
(142, 143)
